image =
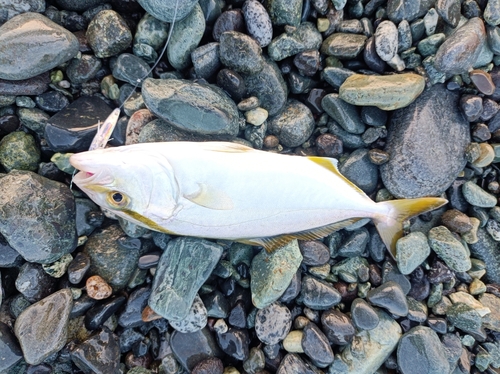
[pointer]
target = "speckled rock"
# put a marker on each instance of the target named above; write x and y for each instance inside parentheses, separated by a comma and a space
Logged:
(165, 10)
(303, 38)
(343, 45)
(386, 40)
(344, 113)
(18, 150)
(37, 240)
(47, 336)
(200, 108)
(10, 352)
(99, 354)
(486, 249)
(285, 12)
(258, 22)
(388, 92)
(195, 320)
(449, 249)
(358, 168)
(240, 52)
(31, 44)
(294, 125)
(491, 320)
(273, 323)
(413, 171)
(108, 34)
(390, 296)
(411, 251)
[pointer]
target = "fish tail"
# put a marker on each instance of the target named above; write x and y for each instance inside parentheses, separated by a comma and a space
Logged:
(390, 224)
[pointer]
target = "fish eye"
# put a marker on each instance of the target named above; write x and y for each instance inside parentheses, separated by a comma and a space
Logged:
(117, 199)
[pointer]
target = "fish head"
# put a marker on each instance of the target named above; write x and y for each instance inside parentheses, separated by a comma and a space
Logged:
(131, 182)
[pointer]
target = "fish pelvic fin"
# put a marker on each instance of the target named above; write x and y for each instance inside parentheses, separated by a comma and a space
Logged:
(390, 225)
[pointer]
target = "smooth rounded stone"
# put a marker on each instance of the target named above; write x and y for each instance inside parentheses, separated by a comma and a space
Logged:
(273, 323)
(269, 87)
(486, 155)
(390, 296)
(258, 22)
(167, 10)
(8, 256)
(316, 346)
(363, 315)
(343, 45)
(292, 363)
(328, 145)
(151, 31)
(456, 221)
(78, 268)
(78, 5)
(314, 252)
(195, 320)
(292, 342)
(318, 295)
(206, 60)
(335, 76)
(216, 304)
(18, 150)
(192, 348)
(463, 317)
(492, 12)
(476, 196)
(185, 37)
(230, 20)
(430, 45)
(232, 83)
(411, 251)
(108, 34)
(307, 62)
(97, 288)
(304, 37)
(256, 116)
(472, 107)
(99, 354)
(130, 68)
(358, 168)
(492, 320)
(411, 172)
(81, 70)
(10, 352)
(388, 92)
(183, 268)
(52, 101)
(285, 12)
(338, 327)
(344, 113)
(468, 299)
(40, 340)
(256, 361)
(397, 10)
(371, 58)
(294, 125)
(482, 81)
(420, 350)
(200, 108)
(449, 249)
(417, 310)
(34, 283)
(299, 84)
(493, 38)
(36, 239)
(88, 216)
(42, 44)
(462, 48)
(211, 365)
(268, 284)
(240, 52)
(31, 86)
(98, 314)
(449, 11)
(234, 343)
(386, 40)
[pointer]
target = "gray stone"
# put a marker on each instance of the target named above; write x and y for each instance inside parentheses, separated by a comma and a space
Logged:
(318, 295)
(240, 53)
(151, 31)
(486, 249)
(185, 37)
(206, 60)
(317, 346)
(386, 40)
(108, 34)
(199, 108)
(81, 70)
(294, 125)
(476, 196)
(492, 12)
(18, 150)
(390, 296)
(48, 335)
(420, 351)
(463, 317)
(398, 10)
(344, 113)
(461, 49)
(195, 320)
(165, 10)
(78, 5)
(258, 22)
(303, 38)
(364, 315)
(99, 354)
(285, 12)
(130, 68)
(336, 76)
(31, 44)
(343, 45)
(183, 268)
(44, 229)
(411, 251)
(358, 168)
(449, 10)
(10, 352)
(273, 323)
(449, 249)
(11, 8)
(492, 320)
(426, 164)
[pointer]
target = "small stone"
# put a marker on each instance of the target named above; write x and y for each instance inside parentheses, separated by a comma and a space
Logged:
(463, 317)
(78, 267)
(411, 251)
(132, 316)
(230, 20)
(465, 298)
(377, 156)
(11, 352)
(195, 320)
(343, 46)
(256, 116)
(293, 125)
(97, 288)
(319, 295)
(449, 10)
(206, 60)
(386, 40)
(338, 327)
(234, 343)
(81, 70)
(486, 156)
(130, 68)
(314, 252)
(391, 297)
(293, 342)
(283, 12)
(363, 315)
(483, 82)
(448, 248)
(18, 150)
(211, 365)
(358, 168)
(344, 113)
(476, 196)
(58, 269)
(492, 12)
(241, 53)
(316, 346)
(258, 22)
(456, 221)
(492, 320)
(273, 323)
(88, 355)
(108, 34)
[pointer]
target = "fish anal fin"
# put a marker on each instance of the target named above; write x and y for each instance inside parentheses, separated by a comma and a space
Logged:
(331, 164)
(210, 198)
(274, 242)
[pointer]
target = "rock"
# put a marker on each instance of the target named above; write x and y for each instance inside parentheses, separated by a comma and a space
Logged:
(492, 320)
(11, 353)
(319, 295)
(195, 320)
(166, 10)
(476, 196)
(316, 346)
(358, 168)
(304, 37)
(97, 288)
(468, 299)
(47, 336)
(273, 323)
(411, 251)
(78, 5)
(462, 48)
(268, 284)
(241, 53)
(413, 170)
(463, 317)
(258, 22)
(492, 12)
(388, 92)
(43, 240)
(343, 45)
(398, 10)
(130, 68)
(234, 343)
(192, 348)
(292, 363)
(420, 350)
(486, 249)
(364, 315)
(99, 354)
(18, 150)
(99, 313)
(293, 125)
(31, 86)
(184, 266)
(108, 34)
(200, 108)
(449, 249)
(211, 365)
(230, 20)
(390, 296)
(285, 12)
(34, 283)
(344, 113)
(338, 327)
(386, 40)
(32, 44)
(206, 60)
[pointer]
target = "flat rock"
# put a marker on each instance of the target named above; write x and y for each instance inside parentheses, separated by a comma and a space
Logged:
(344, 113)
(388, 92)
(425, 158)
(486, 249)
(183, 268)
(47, 336)
(99, 354)
(192, 348)
(30, 87)
(390, 296)
(492, 320)
(165, 10)
(31, 44)
(343, 45)
(10, 352)
(203, 109)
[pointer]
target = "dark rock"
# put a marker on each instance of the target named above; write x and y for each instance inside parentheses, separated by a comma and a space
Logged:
(192, 348)
(216, 304)
(316, 346)
(206, 60)
(78, 268)
(486, 249)
(10, 352)
(319, 295)
(238, 316)
(337, 327)
(233, 83)
(292, 363)
(230, 20)
(9, 257)
(363, 315)
(390, 296)
(314, 252)
(241, 53)
(98, 314)
(52, 101)
(81, 305)
(130, 68)
(83, 69)
(137, 301)
(211, 365)
(358, 168)
(98, 354)
(293, 125)
(34, 283)
(31, 86)
(108, 34)
(234, 343)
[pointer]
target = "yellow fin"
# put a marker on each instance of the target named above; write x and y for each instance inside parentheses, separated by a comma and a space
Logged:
(390, 226)
(331, 164)
(274, 242)
(146, 222)
(226, 147)
(211, 198)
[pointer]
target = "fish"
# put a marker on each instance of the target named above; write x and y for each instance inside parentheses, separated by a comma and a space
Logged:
(225, 190)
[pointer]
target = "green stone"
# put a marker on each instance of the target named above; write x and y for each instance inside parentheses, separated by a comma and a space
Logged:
(343, 45)
(303, 38)
(18, 150)
(34, 119)
(411, 251)
(430, 45)
(449, 249)
(61, 160)
(58, 269)
(463, 317)
(476, 196)
(271, 273)
(347, 269)
(492, 320)
(468, 299)
(435, 294)
(285, 12)
(240, 253)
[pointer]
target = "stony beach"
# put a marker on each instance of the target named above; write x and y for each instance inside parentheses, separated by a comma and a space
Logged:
(405, 94)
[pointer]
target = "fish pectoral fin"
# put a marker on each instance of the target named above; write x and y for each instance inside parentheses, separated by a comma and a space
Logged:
(210, 198)
(272, 243)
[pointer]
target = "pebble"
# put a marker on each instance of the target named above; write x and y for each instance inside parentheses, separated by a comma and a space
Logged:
(316, 346)
(412, 173)
(99, 354)
(338, 327)
(492, 12)
(387, 92)
(31, 86)
(206, 60)
(420, 350)
(151, 31)
(456, 221)
(81, 70)
(390, 296)
(195, 320)
(293, 342)
(268, 284)
(192, 348)
(292, 363)
(294, 125)
(343, 45)
(40, 340)
(130, 68)
(318, 295)
(386, 40)
(173, 295)
(97, 288)
(411, 251)
(492, 320)
(211, 365)
(18, 150)
(273, 323)
(358, 168)
(285, 12)
(363, 315)
(137, 301)
(463, 317)
(168, 11)
(303, 38)
(201, 109)
(344, 113)
(108, 34)
(11, 352)
(476, 196)
(258, 22)
(58, 268)
(19, 35)
(449, 11)
(449, 249)
(230, 20)
(240, 52)
(468, 299)
(483, 82)
(314, 252)
(234, 343)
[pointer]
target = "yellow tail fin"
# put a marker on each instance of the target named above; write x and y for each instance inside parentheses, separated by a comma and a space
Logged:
(390, 225)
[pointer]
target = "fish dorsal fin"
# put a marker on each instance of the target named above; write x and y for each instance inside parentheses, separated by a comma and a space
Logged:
(210, 198)
(274, 242)
(226, 147)
(332, 165)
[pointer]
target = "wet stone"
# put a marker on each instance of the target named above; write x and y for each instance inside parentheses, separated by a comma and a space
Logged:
(456, 221)
(40, 340)
(344, 113)
(472, 106)
(343, 46)
(284, 12)
(78, 268)
(195, 320)
(234, 343)
(52, 101)
(449, 249)
(314, 252)
(206, 60)
(363, 315)
(98, 354)
(192, 348)
(338, 327)
(18, 150)
(303, 38)
(273, 323)
(98, 314)
(318, 295)
(316, 346)
(130, 68)
(238, 316)
(411, 251)
(293, 125)
(230, 20)
(81, 70)
(363, 173)
(31, 86)
(81, 306)
(108, 34)
(97, 288)
(390, 296)
(232, 83)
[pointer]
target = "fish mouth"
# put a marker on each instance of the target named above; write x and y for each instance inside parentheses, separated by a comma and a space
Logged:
(87, 173)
